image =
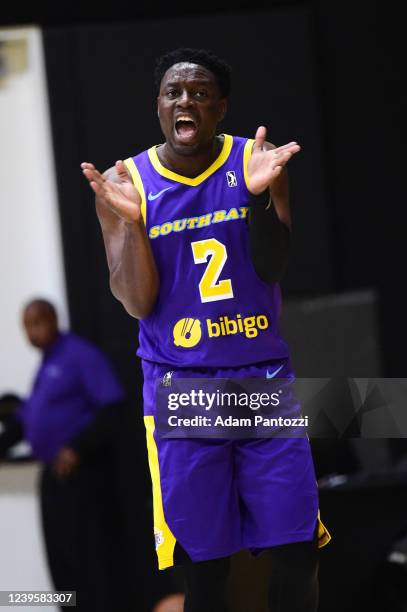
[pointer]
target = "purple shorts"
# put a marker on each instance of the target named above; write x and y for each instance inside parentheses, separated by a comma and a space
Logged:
(213, 498)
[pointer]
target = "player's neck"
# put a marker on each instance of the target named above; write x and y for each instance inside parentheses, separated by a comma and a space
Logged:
(190, 165)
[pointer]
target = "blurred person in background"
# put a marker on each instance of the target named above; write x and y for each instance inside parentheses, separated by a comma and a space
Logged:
(68, 419)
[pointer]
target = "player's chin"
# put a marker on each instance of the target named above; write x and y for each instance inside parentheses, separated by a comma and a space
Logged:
(186, 144)
(186, 148)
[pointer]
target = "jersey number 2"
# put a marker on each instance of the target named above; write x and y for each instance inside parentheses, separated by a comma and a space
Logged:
(209, 288)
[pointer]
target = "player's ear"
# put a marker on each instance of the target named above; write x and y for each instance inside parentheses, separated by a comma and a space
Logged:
(223, 105)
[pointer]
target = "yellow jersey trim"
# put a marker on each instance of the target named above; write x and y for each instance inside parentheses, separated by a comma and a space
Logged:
(248, 148)
(324, 537)
(138, 183)
(193, 182)
(165, 540)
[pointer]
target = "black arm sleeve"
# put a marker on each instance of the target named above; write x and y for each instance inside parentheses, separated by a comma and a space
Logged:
(12, 434)
(269, 243)
(97, 434)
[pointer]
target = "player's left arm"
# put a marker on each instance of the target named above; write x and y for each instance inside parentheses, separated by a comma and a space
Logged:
(267, 170)
(279, 193)
(269, 222)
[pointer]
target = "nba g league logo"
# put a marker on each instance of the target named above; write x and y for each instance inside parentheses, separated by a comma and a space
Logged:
(231, 178)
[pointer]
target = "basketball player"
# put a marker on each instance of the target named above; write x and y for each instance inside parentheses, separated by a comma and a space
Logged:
(175, 227)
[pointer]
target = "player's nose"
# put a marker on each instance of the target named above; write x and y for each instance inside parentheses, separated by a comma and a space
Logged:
(185, 99)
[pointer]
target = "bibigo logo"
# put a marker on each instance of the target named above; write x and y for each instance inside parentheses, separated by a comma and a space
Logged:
(188, 332)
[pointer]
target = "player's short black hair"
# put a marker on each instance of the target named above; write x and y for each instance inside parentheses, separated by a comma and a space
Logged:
(219, 68)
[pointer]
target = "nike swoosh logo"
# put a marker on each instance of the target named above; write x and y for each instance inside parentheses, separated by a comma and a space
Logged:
(154, 196)
(273, 374)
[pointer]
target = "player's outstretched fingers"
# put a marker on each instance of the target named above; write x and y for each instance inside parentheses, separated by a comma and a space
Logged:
(294, 147)
(93, 175)
(260, 138)
(283, 156)
(286, 155)
(96, 185)
(283, 159)
(89, 169)
(122, 171)
(278, 157)
(91, 172)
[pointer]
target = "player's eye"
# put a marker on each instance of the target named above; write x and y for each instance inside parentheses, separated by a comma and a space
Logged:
(202, 93)
(172, 93)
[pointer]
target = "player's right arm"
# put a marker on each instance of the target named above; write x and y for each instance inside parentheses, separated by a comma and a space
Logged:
(134, 278)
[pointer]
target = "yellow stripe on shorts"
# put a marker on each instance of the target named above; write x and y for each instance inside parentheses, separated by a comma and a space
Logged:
(164, 539)
(324, 537)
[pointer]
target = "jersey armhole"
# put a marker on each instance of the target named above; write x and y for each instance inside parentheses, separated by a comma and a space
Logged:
(138, 183)
(246, 156)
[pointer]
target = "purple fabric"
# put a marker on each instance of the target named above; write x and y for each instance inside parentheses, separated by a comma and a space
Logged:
(220, 496)
(179, 298)
(74, 380)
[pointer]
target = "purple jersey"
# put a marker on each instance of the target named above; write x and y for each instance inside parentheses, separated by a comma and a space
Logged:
(212, 309)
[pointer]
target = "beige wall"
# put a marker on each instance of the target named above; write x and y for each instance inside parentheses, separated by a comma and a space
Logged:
(22, 559)
(30, 244)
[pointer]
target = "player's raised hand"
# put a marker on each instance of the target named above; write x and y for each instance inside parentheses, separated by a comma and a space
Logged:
(116, 192)
(266, 164)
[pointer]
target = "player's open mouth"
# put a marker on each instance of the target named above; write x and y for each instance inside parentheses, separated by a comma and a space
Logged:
(185, 127)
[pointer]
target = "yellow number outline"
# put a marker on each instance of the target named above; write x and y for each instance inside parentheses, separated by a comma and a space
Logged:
(209, 288)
